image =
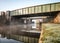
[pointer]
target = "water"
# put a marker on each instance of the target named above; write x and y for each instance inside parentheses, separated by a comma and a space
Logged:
(5, 40)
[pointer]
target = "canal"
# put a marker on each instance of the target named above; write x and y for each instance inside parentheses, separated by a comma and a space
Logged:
(5, 40)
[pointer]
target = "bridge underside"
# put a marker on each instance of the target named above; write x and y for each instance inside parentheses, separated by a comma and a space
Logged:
(38, 14)
(26, 20)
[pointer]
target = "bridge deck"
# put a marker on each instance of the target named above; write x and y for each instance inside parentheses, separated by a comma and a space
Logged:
(36, 9)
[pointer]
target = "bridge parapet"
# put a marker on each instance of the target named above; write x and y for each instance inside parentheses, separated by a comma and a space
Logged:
(37, 9)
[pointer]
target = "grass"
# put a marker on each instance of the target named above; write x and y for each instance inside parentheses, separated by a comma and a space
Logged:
(51, 33)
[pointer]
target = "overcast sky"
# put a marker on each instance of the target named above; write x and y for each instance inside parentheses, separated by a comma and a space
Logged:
(16, 4)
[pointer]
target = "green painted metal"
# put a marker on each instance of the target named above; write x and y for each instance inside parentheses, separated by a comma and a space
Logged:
(37, 9)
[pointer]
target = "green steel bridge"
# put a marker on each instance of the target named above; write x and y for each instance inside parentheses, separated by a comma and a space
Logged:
(28, 35)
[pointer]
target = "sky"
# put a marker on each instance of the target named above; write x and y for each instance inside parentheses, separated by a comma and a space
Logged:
(17, 4)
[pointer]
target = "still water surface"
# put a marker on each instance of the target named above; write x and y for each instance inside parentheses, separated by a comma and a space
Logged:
(5, 40)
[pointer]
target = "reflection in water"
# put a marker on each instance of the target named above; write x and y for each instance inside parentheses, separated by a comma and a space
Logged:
(5, 40)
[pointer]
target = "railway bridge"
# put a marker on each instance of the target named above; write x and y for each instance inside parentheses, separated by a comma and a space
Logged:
(25, 23)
